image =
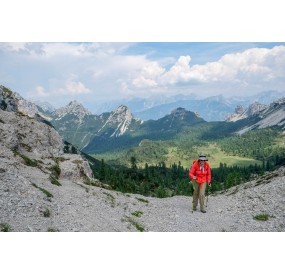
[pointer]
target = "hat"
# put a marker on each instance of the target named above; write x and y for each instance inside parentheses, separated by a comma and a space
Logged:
(202, 157)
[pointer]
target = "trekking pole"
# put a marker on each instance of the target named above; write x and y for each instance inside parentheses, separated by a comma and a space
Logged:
(207, 196)
(194, 183)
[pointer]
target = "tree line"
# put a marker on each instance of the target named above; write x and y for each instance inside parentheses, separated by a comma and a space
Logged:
(161, 181)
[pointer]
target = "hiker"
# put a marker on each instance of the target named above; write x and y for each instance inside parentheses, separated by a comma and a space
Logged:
(200, 175)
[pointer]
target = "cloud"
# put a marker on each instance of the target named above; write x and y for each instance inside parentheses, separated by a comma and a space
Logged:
(72, 87)
(40, 92)
(250, 66)
(98, 71)
(13, 47)
(149, 75)
(48, 50)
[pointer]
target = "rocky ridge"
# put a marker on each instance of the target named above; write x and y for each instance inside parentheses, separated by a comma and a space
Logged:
(121, 119)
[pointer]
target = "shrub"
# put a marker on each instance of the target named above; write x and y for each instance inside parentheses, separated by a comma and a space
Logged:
(4, 227)
(52, 229)
(136, 225)
(263, 217)
(46, 213)
(137, 213)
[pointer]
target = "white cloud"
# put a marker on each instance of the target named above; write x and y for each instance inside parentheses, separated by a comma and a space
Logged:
(251, 66)
(149, 75)
(70, 87)
(48, 50)
(13, 47)
(73, 87)
(40, 92)
(142, 82)
(100, 70)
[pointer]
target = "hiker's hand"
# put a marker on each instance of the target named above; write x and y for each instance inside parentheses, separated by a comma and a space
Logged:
(209, 184)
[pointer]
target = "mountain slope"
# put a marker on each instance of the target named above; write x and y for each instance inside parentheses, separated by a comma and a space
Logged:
(75, 207)
(265, 115)
(162, 129)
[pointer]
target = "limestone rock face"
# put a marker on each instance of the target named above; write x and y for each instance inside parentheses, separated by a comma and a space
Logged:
(22, 133)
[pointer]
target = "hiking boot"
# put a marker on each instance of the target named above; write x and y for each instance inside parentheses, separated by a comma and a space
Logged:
(194, 208)
(203, 211)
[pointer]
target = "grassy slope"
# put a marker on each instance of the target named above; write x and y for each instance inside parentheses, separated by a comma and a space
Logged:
(174, 155)
(191, 142)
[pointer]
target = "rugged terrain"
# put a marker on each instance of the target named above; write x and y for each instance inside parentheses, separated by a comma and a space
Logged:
(31, 150)
(78, 207)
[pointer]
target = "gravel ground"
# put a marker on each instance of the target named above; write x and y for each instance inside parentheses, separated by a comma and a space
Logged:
(77, 207)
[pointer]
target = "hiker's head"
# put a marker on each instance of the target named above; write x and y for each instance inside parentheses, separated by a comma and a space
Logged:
(202, 158)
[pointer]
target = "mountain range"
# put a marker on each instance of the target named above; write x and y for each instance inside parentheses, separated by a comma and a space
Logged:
(120, 129)
(214, 108)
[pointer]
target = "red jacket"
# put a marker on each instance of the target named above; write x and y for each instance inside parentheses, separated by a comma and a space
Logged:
(203, 174)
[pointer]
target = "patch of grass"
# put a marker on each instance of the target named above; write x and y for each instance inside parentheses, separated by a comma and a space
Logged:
(55, 171)
(77, 161)
(52, 229)
(217, 156)
(46, 213)
(47, 193)
(263, 217)
(5, 227)
(26, 147)
(136, 225)
(54, 181)
(28, 161)
(111, 198)
(137, 213)
(142, 200)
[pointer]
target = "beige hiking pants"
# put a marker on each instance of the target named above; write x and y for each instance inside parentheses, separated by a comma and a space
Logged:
(199, 193)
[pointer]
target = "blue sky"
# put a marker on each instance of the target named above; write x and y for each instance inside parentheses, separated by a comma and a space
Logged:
(99, 72)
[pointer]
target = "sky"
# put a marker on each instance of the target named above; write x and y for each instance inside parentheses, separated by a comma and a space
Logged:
(95, 72)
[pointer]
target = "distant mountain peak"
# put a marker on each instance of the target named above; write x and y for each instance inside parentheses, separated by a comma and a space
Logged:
(74, 103)
(122, 117)
(178, 111)
(75, 108)
(123, 109)
(240, 112)
(182, 112)
(45, 106)
(255, 108)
